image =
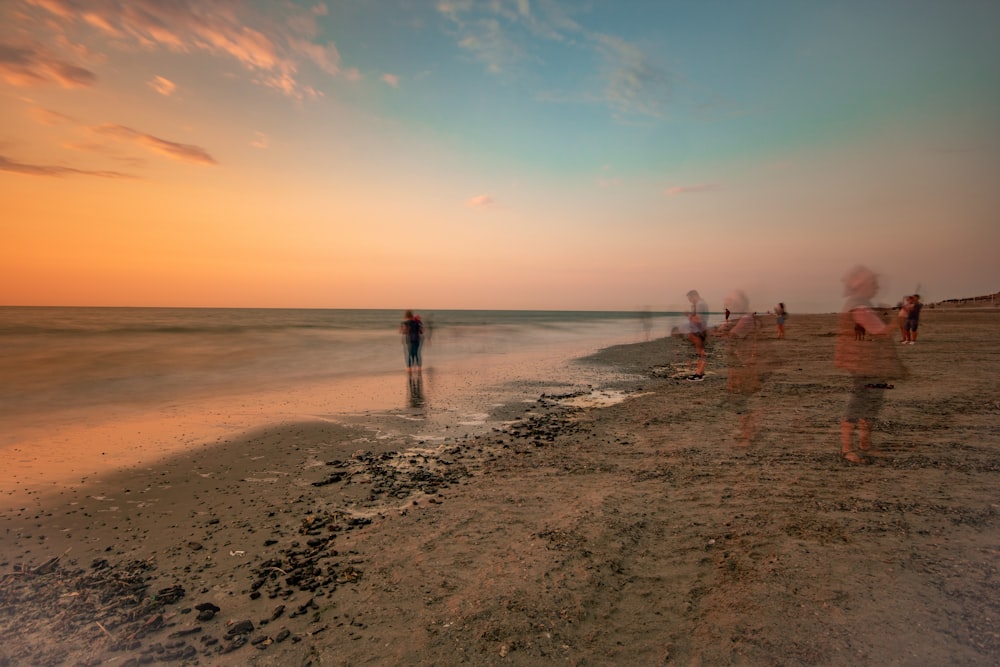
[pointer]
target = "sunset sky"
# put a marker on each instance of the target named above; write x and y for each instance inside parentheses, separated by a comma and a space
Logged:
(496, 154)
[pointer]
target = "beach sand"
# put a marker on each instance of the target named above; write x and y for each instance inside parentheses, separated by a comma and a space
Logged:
(584, 530)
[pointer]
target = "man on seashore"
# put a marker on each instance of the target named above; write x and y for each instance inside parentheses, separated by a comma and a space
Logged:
(912, 320)
(870, 363)
(698, 331)
(413, 337)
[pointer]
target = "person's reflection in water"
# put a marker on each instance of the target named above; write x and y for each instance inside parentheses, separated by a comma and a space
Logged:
(416, 387)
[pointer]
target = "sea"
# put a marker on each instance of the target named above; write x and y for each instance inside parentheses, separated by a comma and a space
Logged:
(124, 384)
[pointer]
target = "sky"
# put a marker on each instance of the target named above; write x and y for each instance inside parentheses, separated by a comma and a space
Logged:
(496, 154)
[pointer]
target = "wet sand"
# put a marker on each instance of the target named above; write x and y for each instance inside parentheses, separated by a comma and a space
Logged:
(580, 530)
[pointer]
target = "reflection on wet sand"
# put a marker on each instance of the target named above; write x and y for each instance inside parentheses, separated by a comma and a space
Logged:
(415, 383)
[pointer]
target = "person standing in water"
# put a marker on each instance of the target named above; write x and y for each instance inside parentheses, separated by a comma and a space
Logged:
(780, 314)
(413, 337)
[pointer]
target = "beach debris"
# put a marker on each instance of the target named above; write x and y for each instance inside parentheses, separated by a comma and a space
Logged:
(207, 611)
(107, 603)
(239, 628)
(111, 603)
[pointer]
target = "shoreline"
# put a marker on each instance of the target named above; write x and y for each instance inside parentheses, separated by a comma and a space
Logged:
(47, 452)
(622, 532)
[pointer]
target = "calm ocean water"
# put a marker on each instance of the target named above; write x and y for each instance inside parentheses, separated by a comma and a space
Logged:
(59, 359)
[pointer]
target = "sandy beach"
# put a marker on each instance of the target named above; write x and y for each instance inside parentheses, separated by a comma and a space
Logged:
(623, 526)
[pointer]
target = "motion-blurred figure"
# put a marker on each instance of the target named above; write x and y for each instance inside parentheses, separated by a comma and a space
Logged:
(780, 313)
(744, 379)
(698, 331)
(870, 363)
(912, 320)
(902, 315)
(413, 337)
(646, 320)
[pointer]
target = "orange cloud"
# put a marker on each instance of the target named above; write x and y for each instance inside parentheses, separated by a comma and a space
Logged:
(172, 149)
(50, 117)
(163, 86)
(7, 164)
(480, 201)
(29, 66)
(273, 49)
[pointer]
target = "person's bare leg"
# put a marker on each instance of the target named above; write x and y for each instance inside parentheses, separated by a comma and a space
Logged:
(847, 442)
(699, 346)
(864, 435)
(748, 428)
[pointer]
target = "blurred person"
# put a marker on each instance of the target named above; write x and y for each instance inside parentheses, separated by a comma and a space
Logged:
(646, 321)
(901, 316)
(698, 332)
(743, 379)
(780, 314)
(413, 337)
(912, 320)
(870, 364)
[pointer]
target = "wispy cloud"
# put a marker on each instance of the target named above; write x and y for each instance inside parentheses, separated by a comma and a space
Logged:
(273, 49)
(163, 86)
(260, 140)
(50, 117)
(391, 79)
(690, 189)
(481, 202)
(502, 36)
(107, 151)
(6, 164)
(486, 32)
(172, 149)
(35, 66)
(635, 85)
(489, 43)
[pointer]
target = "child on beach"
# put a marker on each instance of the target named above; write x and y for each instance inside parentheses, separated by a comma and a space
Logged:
(870, 364)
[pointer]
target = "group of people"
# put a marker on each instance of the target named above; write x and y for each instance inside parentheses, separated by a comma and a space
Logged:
(873, 364)
(698, 323)
(741, 333)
